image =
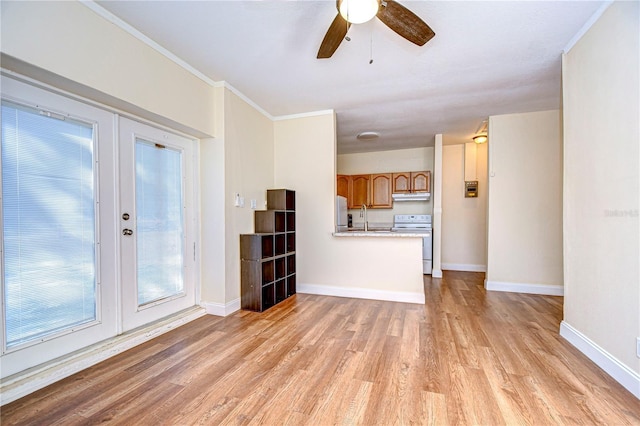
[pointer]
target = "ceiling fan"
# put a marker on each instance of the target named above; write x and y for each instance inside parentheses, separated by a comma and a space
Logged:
(391, 13)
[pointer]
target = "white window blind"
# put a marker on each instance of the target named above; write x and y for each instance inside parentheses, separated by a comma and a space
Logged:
(48, 212)
(159, 222)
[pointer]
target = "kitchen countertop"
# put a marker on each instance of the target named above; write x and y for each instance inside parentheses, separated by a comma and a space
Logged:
(380, 233)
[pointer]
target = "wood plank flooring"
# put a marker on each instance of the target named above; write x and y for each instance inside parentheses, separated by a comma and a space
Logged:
(466, 357)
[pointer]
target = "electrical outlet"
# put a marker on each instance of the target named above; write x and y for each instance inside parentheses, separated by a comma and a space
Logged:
(638, 347)
(254, 205)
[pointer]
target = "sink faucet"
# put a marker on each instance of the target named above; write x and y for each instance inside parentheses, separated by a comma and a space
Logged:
(363, 213)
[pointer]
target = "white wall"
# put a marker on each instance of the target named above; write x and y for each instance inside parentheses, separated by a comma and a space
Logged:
(464, 220)
(402, 160)
(601, 193)
(239, 162)
(305, 161)
(249, 171)
(525, 203)
(70, 40)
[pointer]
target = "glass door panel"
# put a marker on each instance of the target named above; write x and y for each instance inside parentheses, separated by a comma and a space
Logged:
(160, 230)
(49, 223)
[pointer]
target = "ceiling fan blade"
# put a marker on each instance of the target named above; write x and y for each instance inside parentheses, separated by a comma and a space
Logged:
(334, 36)
(405, 23)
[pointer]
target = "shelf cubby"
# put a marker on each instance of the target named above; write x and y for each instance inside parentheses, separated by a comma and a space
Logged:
(291, 285)
(291, 264)
(281, 244)
(281, 268)
(281, 290)
(291, 221)
(291, 242)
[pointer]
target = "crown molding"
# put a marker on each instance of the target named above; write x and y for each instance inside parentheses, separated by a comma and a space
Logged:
(99, 10)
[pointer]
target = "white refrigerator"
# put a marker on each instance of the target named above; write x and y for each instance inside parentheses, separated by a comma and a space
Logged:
(341, 214)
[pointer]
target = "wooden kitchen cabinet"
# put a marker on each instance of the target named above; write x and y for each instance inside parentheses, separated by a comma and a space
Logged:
(404, 182)
(342, 184)
(421, 181)
(359, 191)
(373, 190)
(401, 182)
(380, 197)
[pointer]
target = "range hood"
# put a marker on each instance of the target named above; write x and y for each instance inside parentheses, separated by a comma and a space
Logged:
(413, 196)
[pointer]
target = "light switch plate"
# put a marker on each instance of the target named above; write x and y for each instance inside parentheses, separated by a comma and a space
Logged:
(638, 347)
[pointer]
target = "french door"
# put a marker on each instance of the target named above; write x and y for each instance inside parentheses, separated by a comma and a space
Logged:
(97, 232)
(156, 222)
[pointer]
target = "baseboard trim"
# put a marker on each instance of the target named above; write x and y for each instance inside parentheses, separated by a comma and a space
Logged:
(221, 309)
(464, 267)
(620, 372)
(549, 290)
(362, 293)
(22, 384)
(436, 273)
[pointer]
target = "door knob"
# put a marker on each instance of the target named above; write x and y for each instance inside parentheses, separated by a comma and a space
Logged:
(127, 232)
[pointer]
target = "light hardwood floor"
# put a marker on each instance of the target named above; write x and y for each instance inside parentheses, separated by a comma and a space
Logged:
(467, 357)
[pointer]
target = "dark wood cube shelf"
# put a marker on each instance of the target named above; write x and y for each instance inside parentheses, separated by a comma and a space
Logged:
(267, 257)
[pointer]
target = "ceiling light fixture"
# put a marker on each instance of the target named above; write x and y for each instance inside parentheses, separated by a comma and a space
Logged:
(480, 138)
(358, 11)
(481, 133)
(368, 136)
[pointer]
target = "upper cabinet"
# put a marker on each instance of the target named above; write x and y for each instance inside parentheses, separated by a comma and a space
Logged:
(421, 181)
(375, 190)
(406, 182)
(401, 182)
(343, 185)
(359, 191)
(381, 191)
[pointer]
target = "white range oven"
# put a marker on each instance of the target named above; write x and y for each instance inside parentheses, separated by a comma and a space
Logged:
(420, 224)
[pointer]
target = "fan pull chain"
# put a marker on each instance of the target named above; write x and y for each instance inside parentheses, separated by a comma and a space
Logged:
(371, 49)
(346, 37)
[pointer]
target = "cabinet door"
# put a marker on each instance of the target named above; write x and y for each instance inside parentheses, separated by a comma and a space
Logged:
(381, 191)
(421, 181)
(401, 182)
(343, 185)
(359, 191)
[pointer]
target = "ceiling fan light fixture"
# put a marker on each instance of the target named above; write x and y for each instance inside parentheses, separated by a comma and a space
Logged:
(481, 138)
(358, 11)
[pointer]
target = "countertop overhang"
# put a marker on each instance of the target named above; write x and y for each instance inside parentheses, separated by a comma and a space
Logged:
(382, 234)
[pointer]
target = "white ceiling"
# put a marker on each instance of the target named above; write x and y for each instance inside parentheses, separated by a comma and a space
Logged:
(487, 58)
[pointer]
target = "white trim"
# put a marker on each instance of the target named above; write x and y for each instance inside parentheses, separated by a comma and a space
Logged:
(362, 293)
(466, 267)
(436, 273)
(549, 290)
(22, 384)
(244, 98)
(221, 309)
(303, 115)
(616, 369)
(587, 25)
(143, 38)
